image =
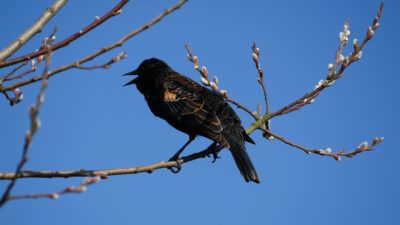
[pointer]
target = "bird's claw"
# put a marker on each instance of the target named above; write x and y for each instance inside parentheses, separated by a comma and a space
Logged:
(215, 156)
(214, 152)
(177, 168)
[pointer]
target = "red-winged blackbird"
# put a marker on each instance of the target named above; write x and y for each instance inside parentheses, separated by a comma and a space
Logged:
(194, 110)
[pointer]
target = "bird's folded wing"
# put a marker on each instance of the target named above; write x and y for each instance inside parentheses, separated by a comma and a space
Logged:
(183, 100)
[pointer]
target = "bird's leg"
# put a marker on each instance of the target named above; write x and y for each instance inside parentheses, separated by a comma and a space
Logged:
(214, 152)
(175, 157)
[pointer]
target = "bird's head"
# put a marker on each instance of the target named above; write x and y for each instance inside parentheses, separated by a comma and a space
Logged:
(148, 70)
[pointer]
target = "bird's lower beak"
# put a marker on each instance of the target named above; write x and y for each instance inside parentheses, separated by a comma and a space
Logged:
(132, 81)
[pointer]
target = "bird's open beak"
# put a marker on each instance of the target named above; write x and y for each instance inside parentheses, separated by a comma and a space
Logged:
(132, 81)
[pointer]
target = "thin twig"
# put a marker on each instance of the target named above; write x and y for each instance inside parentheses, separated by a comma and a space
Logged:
(242, 107)
(21, 75)
(14, 70)
(31, 31)
(260, 80)
(10, 99)
(256, 56)
(56, 195)
(106, 65)
(328, 151)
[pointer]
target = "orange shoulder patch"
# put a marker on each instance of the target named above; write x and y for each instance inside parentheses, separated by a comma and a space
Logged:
(169, 96)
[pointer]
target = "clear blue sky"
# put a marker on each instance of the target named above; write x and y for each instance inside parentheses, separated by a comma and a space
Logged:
(90, 121)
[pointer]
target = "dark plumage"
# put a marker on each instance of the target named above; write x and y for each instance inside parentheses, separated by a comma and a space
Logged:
(194, 110)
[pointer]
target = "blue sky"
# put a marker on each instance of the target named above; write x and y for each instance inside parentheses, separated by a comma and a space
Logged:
(90, 121)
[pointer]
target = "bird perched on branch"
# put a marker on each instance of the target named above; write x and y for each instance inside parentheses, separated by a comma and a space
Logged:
(194, 110)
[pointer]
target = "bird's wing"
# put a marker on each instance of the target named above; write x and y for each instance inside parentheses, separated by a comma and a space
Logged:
(182, 97)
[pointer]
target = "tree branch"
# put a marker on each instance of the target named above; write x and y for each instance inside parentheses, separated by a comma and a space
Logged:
(56, 195)
(101, 51)
(34, 29)
(194, 59)
(364, 146)
(113, 12)
(336, 70)
(34, 126)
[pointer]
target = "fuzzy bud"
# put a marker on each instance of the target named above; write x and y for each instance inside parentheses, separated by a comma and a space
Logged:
(224, 93)
(215, 79)
(54, 196)
(328, 150)
(375, 26)
(343, 37)
(255, 57)
(320, 83)
(213, 85)
(195, 61)
(362, 146)
(38, 123)
(377, 141)
(370, 33)
(340, 58)
(81, 189)
(41, 99)
(18, 96)
(337, 157)
(204, 72)
(204, 81)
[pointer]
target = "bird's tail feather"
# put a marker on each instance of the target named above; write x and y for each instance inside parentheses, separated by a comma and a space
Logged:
(242, 159)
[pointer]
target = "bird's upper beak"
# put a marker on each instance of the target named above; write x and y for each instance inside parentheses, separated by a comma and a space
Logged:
(135, 72)
(134, 80)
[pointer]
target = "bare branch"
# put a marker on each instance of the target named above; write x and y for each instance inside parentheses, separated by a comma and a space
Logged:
(106, 65)
(21, 75)
(335, 70)
(109, 172)
(163, 164)
(214, 84)
(97, 53)
(56, 195)
(113, 12)
(13, 71)
(328, 151)
(256, 56)
(260, 80)
(35, 124)
(31, 31)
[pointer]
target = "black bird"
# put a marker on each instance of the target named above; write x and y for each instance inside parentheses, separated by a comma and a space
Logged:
(194, 110)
